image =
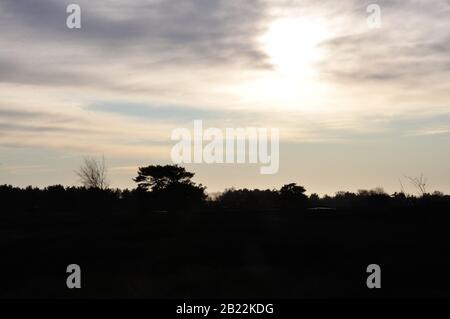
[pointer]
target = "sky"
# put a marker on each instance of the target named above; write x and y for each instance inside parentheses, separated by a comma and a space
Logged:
(357, 107)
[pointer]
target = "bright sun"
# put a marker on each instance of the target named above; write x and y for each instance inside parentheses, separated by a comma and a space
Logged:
(292, 45)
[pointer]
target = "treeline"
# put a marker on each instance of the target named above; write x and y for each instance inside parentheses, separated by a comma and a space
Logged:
(170, 189)
(290, 198)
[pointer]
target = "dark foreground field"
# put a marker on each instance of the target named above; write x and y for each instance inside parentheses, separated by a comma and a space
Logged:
(227, 255)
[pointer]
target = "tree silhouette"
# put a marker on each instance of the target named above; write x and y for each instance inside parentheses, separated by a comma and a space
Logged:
(171, 187)
(157, 177)
(293, 196)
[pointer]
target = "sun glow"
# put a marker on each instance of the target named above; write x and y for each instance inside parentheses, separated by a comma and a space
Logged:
(292, 44)
(293, 48)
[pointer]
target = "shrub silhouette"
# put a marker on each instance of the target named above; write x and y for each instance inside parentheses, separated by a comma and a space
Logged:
(248, 200)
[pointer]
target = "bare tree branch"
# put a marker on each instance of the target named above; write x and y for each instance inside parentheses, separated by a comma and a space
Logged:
(402, 189)
(93, 173)
(420, 183)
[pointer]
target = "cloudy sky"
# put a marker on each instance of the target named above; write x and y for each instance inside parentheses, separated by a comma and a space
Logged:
(357, 107)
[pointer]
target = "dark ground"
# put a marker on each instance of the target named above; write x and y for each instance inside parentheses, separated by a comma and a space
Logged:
(227, 255)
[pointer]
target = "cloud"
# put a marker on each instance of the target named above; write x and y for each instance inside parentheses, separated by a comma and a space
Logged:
(72, 129)
(166, 112)
(144, 36)
(411, 47)
(390, 59)
(14, 114)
